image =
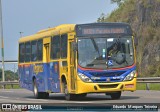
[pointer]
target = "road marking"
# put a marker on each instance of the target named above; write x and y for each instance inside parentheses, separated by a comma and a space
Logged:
(7, 91)
(36, 100)
(18, 98)
(3, 97)
(83, 102)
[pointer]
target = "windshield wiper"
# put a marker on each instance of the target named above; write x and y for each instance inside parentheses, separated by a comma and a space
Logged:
(95, 46)
(97, 62)
(90, 64)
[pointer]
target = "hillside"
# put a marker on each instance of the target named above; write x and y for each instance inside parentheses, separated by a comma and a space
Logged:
(144, 17)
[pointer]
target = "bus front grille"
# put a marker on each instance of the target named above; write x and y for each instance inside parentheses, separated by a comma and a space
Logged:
(108, 86)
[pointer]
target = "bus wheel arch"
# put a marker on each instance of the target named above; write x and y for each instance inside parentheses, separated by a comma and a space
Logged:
(38, 95)
(35, 89)
(63, 80)
(33, 78)
(68, 96)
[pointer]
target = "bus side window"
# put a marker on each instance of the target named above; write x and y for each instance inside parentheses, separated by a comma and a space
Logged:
(55, 47)
(64, 46)
(27, 51)
(21, 52)
(34, 51)
(40, 49)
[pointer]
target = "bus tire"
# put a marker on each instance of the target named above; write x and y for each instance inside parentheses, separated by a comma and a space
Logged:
(45, 95)
(81, 96)
(37, 94)
(68, 96)
(116, 95)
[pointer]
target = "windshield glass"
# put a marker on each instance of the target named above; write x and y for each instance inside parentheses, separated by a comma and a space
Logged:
(105, 53)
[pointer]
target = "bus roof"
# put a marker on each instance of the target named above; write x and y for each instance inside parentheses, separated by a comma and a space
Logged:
(106, 23)
(61, 29)
(65, 28)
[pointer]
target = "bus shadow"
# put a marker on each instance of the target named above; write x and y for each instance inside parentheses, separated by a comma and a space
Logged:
(87, 98)
(91, 98)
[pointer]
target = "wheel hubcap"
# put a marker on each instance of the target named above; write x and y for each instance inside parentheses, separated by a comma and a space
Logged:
(35, 90)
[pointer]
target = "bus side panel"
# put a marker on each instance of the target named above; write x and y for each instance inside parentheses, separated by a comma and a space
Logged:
(25, 72)
(40, 73)
(53, 80)
(47, 76)
(21, 76)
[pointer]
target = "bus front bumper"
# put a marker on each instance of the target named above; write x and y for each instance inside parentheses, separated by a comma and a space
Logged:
(83, 87)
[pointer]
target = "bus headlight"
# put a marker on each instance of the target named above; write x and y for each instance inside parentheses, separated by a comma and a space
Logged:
(84, 77)
(130, 76)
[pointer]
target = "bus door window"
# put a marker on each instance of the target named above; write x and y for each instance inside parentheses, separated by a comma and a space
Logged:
(64, 46)
(40, 49)
(55, 47)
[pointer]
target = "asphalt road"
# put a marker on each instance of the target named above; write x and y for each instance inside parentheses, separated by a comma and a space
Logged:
(25, 96)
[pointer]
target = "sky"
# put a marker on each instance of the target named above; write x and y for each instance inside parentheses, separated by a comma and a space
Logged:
(30, 16)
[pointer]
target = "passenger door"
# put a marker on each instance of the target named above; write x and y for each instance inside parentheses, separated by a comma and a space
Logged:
(72, 66)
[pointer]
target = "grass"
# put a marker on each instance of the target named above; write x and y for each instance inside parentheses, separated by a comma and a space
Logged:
(153, 86)
(10, 87)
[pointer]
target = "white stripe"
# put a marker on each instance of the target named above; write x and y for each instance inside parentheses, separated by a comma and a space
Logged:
(18, 98)
(82, 102)
(36, 100)
(3, 97)
(7, 91)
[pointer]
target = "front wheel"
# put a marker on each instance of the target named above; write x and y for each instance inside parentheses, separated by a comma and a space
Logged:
(116, 95)
(81, 96)
(68, 96)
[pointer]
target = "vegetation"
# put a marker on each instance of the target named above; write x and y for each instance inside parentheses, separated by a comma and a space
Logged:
(9, 75)
(144, 18)
(10, 87)
(142, 86)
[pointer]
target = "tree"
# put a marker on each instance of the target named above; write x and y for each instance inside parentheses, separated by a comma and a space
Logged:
(9, 75)
(119, 2)
(101, 18)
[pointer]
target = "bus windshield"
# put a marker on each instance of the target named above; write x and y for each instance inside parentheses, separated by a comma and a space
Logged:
(108, 52)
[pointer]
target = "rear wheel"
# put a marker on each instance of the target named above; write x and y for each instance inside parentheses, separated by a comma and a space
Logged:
(37, 94)
(45, 95)
(35, 90)
(116, 95)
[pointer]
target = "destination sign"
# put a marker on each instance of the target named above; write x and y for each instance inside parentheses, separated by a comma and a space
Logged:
(98, 29)
(89, 31)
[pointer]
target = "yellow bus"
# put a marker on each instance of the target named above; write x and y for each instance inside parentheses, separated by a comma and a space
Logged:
(77, 59)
